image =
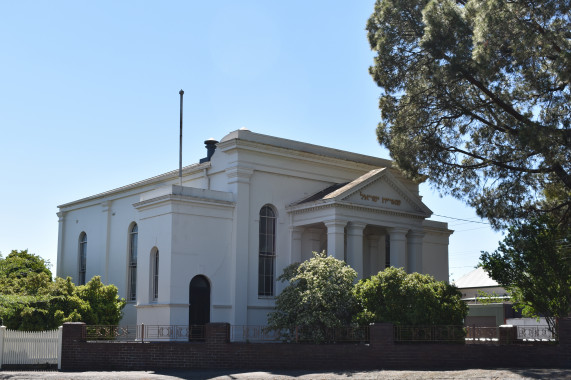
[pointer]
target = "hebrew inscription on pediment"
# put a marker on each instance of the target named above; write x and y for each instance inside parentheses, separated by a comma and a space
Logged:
(381, 194)
(380, 199)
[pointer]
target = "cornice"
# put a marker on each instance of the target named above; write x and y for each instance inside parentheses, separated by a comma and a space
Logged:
(181, 199)
(305, 208)
(317, 154)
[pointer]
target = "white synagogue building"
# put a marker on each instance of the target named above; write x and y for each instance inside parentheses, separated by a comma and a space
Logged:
(211, 250)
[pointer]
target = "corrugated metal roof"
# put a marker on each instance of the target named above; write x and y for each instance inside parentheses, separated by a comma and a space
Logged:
(475, 279)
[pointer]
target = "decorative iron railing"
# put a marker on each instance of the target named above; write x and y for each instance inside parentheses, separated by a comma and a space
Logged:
(142, 333)
(110, 333)
(298, 334)
(250, 333)
(540, 332)
(449, 334)
(479, 334)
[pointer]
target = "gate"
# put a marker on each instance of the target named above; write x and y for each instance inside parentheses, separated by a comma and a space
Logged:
(30, 347)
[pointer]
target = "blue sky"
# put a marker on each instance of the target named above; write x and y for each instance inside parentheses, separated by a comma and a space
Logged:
(89, 98)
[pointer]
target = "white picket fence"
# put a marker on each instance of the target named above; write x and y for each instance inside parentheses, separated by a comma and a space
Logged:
(30, 347)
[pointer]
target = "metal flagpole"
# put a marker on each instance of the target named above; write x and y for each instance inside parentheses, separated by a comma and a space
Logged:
(181, 92)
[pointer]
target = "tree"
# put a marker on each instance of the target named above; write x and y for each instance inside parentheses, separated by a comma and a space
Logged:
(394, 296)
(476, 98)
(534, 263)
(31, 301)
(319, 297)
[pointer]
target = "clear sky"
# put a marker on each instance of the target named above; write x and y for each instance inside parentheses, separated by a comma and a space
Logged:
(89, 98)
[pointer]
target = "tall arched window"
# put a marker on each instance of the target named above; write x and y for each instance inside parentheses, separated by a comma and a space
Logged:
(267, 252)
(82, 258)
(155, 275)
(132, 284)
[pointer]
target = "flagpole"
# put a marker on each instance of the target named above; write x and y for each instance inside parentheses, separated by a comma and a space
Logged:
(181, 92)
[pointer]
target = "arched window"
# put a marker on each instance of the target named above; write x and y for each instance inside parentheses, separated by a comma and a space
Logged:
(155, 275)
(267, 252)
(82, 258)
(132, 280)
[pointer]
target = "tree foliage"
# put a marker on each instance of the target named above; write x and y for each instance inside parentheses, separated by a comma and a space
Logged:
(476, 98)
(31, 301)
(319, 297)
(408, 299)
(534, 263)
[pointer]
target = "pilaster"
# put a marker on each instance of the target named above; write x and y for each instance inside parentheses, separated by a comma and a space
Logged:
(295, 236)
(239, 185)
(60, 244)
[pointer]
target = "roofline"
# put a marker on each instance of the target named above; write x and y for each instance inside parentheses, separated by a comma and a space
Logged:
(247, 135)
(173, 174)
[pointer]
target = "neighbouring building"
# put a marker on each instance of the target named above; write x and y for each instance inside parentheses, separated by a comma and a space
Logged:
(211, 250)
(489, 304)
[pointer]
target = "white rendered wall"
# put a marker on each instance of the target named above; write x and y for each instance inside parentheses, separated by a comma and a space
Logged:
(220, 242)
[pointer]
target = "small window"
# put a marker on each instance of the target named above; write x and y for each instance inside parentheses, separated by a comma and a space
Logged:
(267, 252)
(155, 275)
(82, 258)
(132, 281)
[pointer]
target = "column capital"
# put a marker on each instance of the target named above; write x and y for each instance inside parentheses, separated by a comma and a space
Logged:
(61, 216)
(416, 234)
(239, 174)
(296, 231)
(397, 230)
(338, 223)
(373, 237)
(106, 205)
(356, 227)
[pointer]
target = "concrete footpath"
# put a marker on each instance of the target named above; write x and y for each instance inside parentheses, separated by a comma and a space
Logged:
(513, 373)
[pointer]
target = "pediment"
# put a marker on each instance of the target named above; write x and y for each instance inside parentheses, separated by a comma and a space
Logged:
(379, 189)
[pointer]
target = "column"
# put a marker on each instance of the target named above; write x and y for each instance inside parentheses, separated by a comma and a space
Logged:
(398, 247)
(336, 238)
(414, 245)
(374, 265)
(355, 247)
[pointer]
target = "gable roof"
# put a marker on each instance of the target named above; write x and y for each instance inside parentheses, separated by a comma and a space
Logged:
(477, 278)
(344, 192)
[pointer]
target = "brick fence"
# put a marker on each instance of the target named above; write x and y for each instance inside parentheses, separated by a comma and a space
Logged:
(382, 352)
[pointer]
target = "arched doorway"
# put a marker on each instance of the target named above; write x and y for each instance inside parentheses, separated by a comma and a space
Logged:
(199, 306)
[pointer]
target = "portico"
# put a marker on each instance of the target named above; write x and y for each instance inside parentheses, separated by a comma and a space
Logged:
(371, 223)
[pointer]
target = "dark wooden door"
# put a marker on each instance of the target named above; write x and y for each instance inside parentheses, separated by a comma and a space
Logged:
(199, 306)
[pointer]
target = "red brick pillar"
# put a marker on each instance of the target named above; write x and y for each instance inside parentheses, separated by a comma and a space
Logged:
(72, 337)
(508, 334)
(217, 333)
(381, 334)
(565, 331)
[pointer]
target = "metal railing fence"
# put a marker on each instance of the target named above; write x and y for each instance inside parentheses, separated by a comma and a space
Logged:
(530, 332)
(446, 334)
(143, 333)
(298, 334)
(481, 334)
(238, 333)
